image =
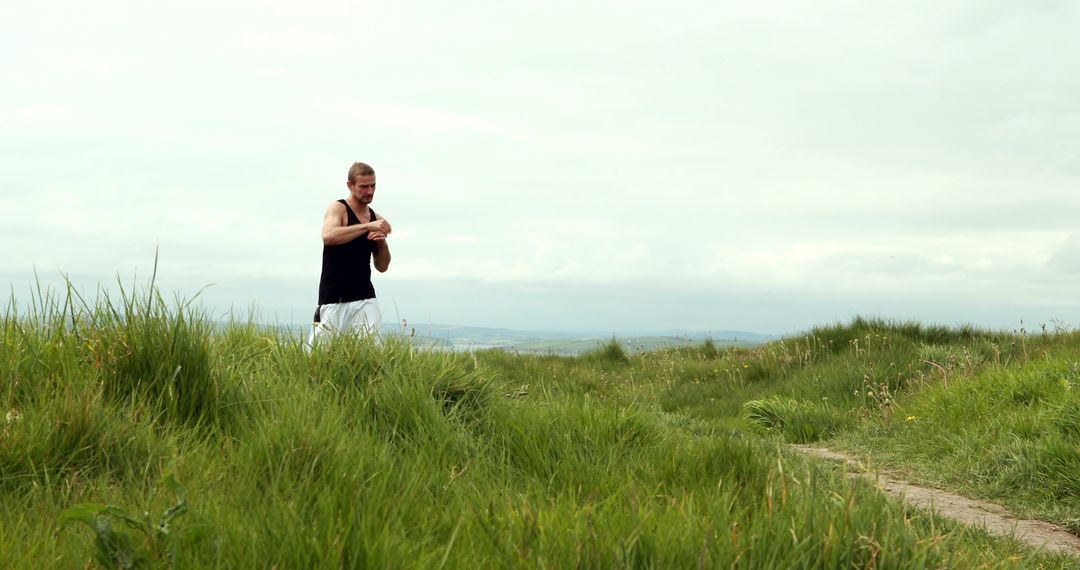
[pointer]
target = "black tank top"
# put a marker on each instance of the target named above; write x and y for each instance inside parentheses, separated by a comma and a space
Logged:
(346, 268)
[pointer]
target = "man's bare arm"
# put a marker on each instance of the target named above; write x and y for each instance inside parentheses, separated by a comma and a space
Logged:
(336, 229)
(382, 249)
(382, 255)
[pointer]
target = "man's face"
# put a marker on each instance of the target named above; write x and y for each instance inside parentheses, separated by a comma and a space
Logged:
(363, 188)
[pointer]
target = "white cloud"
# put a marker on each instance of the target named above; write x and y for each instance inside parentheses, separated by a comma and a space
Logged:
(413, 119)
(37, 116)
(834, 151)
(1066, 258)
(457, 240)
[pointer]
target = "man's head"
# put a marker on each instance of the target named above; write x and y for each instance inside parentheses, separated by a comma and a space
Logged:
(362, 182)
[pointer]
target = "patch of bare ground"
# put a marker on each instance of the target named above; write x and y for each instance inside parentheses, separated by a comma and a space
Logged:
(991, 516)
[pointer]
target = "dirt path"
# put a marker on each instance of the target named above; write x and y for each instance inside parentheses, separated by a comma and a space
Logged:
(993, 517)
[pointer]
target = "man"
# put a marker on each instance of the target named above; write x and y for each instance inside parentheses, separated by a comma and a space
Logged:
(353, 235)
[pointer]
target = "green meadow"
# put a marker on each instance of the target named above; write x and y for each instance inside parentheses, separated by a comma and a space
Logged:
(135, 433)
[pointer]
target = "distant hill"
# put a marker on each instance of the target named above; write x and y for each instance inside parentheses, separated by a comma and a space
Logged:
(456, 337)
(479, 338)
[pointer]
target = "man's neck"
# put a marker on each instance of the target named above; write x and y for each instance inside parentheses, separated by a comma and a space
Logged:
(357, 207)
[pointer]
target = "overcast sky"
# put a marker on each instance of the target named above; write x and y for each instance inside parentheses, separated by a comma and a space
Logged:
(604, 166)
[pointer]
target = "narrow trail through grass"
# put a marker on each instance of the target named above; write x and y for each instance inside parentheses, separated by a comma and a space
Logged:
(993, 517)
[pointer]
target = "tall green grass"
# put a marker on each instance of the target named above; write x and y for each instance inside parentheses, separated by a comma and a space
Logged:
(1006, 433)
(989, 413)
(376, 453)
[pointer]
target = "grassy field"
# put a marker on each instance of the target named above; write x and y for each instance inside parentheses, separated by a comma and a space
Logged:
(138, 434)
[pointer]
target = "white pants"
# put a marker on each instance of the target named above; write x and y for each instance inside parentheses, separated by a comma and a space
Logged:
(358, 317)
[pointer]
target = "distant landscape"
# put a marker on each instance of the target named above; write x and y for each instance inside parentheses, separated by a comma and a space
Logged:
(565, 343)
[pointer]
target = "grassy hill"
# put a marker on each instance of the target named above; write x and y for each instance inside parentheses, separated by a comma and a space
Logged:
(138, 434)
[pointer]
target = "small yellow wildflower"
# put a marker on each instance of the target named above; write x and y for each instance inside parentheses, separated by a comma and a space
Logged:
(745, 365)
(912, 418)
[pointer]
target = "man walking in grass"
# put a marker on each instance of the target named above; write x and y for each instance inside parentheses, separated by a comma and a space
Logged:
(353, 235)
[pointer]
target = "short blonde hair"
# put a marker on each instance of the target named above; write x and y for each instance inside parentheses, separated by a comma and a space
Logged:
(360, 169)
